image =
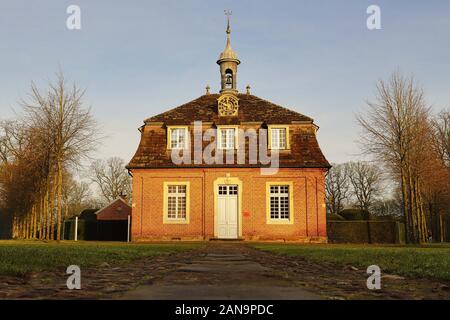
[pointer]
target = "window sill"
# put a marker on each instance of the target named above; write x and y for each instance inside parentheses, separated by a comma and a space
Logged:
(175, 221)
(280, 222)
(178, 149)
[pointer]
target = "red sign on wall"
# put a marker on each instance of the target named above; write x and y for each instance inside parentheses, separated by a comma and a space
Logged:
(246, 214)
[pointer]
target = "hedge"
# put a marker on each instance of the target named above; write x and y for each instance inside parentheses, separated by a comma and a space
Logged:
(358, 232)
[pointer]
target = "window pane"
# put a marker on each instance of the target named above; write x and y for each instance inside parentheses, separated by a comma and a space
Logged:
(282, 139)
(171, 207)
(176, 202)
(230, 137)
(279, 202)
(274, 208)
(278, 140)
(223, 139)
(178, 137)
(274, 138)
(182, 207)
(227, 138)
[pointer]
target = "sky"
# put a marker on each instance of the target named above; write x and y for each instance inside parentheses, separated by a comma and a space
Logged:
(139, 58)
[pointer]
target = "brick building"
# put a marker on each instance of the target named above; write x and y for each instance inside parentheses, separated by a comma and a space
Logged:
(229, 166)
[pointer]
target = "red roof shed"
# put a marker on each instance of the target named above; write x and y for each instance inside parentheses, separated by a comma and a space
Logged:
(118, 210)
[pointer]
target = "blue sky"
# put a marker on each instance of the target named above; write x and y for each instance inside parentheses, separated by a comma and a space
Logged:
(139, 58)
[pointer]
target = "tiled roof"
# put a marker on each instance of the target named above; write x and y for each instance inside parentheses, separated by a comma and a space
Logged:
(152, 151)
(251, 109)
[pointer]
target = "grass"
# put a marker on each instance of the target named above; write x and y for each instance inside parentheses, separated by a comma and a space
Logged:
(432, 262)
(21, 257)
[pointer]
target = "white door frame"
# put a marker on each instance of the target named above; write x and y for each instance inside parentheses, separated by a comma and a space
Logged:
(227, 181)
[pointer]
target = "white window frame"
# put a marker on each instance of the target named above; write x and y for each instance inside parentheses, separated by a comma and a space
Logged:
(219, 138)
(276, 146)
(170, 138)
(289, 195)
(177, 195)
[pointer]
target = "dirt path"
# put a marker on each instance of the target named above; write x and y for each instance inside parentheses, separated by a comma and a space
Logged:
(220, 271)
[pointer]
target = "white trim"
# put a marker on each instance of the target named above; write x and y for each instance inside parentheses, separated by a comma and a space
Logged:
(287, 139)
(219, 137)
(166, 219)
(169, 137)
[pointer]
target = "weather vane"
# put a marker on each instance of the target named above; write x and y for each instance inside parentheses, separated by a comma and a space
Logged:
(228, 13)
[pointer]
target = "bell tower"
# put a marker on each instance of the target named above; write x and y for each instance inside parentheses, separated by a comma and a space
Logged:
(228, 62)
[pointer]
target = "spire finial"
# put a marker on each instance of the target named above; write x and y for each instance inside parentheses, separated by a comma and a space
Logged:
(228, 62)
(208, 88)
(228, 13)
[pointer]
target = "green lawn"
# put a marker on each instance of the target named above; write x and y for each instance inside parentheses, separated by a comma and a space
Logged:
(21, 257)
(431, 261)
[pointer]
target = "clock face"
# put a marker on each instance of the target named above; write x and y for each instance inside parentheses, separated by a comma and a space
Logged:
(228, 105)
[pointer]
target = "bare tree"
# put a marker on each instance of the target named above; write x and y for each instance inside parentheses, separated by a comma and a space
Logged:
(36, 152)
(68, 127)
(76, 195)
(111, 177)
(441, 136)
(23, 168)
(387, 207)
(337, 188)
(395, 131)
(365, 179)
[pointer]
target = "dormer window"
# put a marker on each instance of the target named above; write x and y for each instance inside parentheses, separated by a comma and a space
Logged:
(177, 138)
(279, 137)
(227, 138)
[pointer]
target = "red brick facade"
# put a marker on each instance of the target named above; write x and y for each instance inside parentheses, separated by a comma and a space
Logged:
(308, 204)
(229, 199)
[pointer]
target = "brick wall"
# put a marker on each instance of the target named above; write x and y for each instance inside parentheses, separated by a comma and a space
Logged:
(308, 194)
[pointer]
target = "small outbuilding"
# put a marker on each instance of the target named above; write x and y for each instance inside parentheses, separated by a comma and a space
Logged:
(112, 221)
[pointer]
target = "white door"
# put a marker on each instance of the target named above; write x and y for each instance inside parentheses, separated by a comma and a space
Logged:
(227, 206)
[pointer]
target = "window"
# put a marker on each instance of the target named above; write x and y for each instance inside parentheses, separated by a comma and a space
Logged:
(228, 190)
(177, 137)
(176, 202)
(279, 202)
(227, 138)
(278, 137)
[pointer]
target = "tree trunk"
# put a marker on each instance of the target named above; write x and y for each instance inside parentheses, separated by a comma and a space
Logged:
(52, 208)
(27, 225)
(41, 209)
(58, 232)
(33, 222)
(47, 214)
(406, 213)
